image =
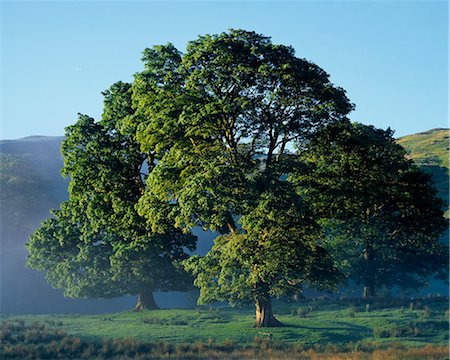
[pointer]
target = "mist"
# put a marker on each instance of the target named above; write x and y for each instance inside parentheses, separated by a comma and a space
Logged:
(32, 186)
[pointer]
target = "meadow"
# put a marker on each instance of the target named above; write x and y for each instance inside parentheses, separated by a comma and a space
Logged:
(396, 329)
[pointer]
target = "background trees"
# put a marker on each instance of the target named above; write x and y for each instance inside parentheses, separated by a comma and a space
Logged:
(381, 213)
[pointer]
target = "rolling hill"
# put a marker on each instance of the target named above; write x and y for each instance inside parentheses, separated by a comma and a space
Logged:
(429, 148)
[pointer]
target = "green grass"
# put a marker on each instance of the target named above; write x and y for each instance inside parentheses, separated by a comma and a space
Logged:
(327, 323)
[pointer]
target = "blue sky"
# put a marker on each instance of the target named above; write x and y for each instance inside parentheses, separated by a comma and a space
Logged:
(57, 57)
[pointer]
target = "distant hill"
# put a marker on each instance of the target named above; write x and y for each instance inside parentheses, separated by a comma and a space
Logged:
(429, 148)
(31, 185)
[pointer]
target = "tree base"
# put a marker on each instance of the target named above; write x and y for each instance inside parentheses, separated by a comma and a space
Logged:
(145, 301)
(272, 322)
(264, 315)
(140, 307)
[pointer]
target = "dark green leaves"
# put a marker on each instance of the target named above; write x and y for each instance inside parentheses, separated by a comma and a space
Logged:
(381, 213)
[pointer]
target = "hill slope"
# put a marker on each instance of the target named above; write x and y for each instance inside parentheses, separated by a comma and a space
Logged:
(31, 185)
(429, 148)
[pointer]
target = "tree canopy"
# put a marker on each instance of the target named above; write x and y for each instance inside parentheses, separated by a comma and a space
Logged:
(96, 245)
(222, 119)
(381, 213)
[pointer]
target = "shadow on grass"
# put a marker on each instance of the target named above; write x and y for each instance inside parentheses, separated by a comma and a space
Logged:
(342, 332)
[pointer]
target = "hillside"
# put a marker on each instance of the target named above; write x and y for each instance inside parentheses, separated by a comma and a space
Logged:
(31, 185)
(429, 148)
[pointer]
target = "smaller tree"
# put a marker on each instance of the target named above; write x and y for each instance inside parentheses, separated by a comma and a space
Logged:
(381, 214)
(97, 245)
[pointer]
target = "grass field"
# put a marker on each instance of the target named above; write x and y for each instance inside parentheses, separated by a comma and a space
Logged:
(317, 325)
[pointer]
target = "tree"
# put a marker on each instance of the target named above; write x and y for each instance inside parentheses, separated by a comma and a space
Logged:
(381, 213)
(222, 118)
(97, 245)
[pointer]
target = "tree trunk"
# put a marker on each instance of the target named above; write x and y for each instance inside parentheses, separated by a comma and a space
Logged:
(232, 228)
(369, 276)
(145, 301)
(264, 315)
(368, 292)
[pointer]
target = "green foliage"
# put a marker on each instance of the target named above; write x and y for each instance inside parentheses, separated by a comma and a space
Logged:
(279, 251)
(381, 214)
(205, 139)
(221, 118)
(97, 245)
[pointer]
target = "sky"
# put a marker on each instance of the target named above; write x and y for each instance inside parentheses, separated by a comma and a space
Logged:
(58, 56)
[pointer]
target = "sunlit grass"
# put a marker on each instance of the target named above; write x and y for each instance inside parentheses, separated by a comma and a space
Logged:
(306, 324)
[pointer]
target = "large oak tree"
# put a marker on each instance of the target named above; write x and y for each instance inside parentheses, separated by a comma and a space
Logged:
(222, 119)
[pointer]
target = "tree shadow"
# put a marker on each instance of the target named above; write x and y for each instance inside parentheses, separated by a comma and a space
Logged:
(338, 332)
